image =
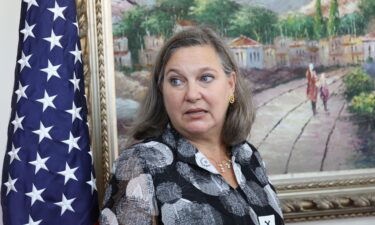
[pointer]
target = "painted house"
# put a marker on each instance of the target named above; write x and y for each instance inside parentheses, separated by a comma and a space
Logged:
(282, 51)
(269, 57)
(248, 52)
(324, 52)
(336, 51)
(298, 53)
(369, 47)
(312, 53)
(353, 50)
(121, 52)
(182, 25)
(148, 53)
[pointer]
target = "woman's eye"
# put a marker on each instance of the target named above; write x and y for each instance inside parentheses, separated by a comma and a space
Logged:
(175, 81)
(207, 78)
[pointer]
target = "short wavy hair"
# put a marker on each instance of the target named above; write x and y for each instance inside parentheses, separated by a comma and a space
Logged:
(152, 117)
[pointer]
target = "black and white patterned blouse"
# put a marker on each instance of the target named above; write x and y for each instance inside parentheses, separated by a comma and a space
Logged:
(166, 180)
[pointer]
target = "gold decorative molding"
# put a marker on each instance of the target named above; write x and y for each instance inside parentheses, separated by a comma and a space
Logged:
(96, 42)
(328, 203)
(328, 195)
(327, 184)
(102, 93)
(328, 207)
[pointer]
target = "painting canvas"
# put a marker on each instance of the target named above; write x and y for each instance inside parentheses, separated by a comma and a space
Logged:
(275, 43)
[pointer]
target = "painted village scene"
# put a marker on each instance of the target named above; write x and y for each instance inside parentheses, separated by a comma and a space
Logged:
(287, 50)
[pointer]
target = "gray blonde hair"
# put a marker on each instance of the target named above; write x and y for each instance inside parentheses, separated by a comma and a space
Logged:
(152, 117)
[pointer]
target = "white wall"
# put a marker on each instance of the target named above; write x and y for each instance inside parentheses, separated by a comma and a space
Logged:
(9, 21)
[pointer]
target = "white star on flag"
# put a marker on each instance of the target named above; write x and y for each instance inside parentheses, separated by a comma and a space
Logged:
(43, 132)
(68, 173)
(75, 82)
(72, 142)
(24, 61)
(21, 91)
(27, 31)
(39, 163)
(32, 222)
(14, 154)
(77, 54)
(65, 204)
(92, 158)
(31, 3)
(47, 101)
(11, 184)
(35, 194)
(51, 70)
(92, 183)
(57, 11)
(76, 25)
(75, 112)
(17, 123)
(54, 40)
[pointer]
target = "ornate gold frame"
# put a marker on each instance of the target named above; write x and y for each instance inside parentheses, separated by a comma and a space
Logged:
(96, 41)
(309, 196)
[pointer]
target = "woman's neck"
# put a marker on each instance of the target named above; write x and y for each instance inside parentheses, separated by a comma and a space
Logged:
(212, 148)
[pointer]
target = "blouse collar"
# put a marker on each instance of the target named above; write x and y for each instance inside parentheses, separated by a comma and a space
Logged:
(188, 153)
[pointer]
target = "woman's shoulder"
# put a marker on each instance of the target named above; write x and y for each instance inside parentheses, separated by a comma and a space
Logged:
(247, 153)
(148, 156)
(246, 148)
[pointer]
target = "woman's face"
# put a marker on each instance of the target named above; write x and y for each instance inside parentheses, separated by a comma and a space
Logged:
(196, 91)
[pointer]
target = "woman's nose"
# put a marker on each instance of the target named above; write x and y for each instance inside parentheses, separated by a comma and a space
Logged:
(193, 93)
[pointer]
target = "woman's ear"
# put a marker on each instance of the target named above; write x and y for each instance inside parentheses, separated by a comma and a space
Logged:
(232, 80)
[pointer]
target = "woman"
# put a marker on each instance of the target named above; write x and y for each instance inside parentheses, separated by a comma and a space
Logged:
(194, 165)
(312, 88)
(324, 91)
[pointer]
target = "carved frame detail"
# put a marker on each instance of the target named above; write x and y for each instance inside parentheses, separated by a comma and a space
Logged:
(96, 41)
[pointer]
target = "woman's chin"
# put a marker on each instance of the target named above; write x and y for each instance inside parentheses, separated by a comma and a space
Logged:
(198, 128)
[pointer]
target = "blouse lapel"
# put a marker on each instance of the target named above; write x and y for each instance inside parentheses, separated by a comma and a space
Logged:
(185, 151)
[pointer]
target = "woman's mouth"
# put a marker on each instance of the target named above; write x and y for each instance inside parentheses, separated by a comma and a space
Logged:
(195, 113)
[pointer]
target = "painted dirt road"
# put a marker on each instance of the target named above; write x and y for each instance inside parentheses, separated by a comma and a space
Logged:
(291, 139)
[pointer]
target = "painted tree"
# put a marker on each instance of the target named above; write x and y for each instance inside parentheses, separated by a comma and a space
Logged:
(353, 23)
(255, 22)
(334, 18)
(367, 9)
(319, 26)
(177, 9)
(297, 26)
(163, 17)
(215, 13)
(159, 22)
(132, 27)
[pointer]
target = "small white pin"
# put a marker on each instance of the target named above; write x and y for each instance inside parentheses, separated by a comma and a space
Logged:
(267, 220)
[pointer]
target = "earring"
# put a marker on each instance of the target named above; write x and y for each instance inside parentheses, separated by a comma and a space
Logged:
(231, 99)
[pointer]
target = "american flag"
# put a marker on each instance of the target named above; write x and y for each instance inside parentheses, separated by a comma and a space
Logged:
(48, 175)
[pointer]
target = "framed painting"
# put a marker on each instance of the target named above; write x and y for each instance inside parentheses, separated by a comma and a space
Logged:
(309, 64)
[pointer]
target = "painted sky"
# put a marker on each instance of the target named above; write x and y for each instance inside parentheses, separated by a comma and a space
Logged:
(282, 7)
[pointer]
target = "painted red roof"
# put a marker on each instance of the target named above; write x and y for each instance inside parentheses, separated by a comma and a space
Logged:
(243, 41)
(369, 37)
(184, 23)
